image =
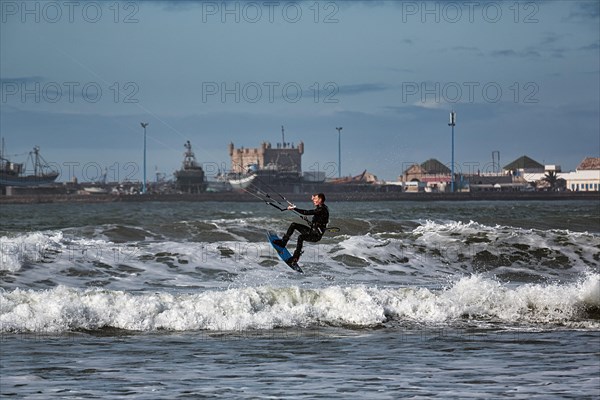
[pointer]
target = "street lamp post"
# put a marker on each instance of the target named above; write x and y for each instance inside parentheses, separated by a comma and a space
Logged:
(452, 124)
(144, 125)
(339, 129)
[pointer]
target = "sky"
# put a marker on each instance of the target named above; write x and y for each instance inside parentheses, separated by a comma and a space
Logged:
(78, 77)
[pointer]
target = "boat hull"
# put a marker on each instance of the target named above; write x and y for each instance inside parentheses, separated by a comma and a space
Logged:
(29, 180)
(242, 183)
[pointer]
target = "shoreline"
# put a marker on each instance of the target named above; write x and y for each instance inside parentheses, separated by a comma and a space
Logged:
(331, 197)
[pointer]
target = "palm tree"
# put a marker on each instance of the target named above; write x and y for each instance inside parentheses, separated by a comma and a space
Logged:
(551, 178)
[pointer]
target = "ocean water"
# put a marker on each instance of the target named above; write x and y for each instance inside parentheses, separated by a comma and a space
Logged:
(408, 300)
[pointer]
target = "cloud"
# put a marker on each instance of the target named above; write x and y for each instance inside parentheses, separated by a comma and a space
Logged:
(431, 104)
(512, 53)
(583, 10)
(592, 46)
(402, 70)
(468, 49)
(176, 5)
(550, 38)
(547, 46)
(467, 112)
(66, 129)
(361, 88)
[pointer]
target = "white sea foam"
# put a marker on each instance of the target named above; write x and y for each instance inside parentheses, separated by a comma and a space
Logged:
(524, 247)
(27, 248)
(473, 298)
(430, 255)
(365, 247)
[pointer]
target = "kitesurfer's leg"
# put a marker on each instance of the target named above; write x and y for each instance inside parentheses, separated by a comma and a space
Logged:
(280, 242)
(299, 244)
(293, 227)
(308, 236)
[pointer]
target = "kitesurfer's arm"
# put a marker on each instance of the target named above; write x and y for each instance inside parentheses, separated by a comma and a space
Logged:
(301, 211)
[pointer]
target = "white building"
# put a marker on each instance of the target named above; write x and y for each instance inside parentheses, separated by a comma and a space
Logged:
(586, 178)
(582, 181)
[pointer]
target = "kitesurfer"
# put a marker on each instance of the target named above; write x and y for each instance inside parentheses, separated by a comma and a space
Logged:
(312, 233)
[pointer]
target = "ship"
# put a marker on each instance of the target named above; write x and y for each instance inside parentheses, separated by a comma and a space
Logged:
(190, 178)
(16, 174)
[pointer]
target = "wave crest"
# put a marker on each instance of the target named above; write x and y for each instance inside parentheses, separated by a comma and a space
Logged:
(473, 298)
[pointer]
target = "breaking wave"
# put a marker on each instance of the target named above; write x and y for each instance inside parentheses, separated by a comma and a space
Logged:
(475, 299)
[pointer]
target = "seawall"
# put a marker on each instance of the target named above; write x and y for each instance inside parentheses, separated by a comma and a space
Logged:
(331, 197)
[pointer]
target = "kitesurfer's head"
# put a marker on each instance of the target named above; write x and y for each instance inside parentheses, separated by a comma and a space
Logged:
(318, 199)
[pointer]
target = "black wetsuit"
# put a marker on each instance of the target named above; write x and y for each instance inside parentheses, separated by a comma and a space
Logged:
(312, 233)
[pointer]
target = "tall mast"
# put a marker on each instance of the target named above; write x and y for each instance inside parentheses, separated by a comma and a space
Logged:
(36, 163)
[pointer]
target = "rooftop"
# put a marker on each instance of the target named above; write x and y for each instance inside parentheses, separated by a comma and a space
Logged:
(589, 163)
(523, 162)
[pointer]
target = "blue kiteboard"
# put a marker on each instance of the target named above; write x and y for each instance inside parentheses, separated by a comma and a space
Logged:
(283, 253)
